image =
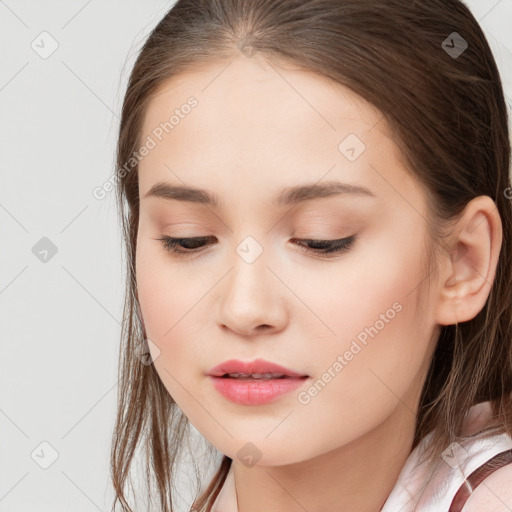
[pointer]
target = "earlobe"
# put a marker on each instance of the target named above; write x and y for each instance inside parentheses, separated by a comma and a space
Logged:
(469, 267)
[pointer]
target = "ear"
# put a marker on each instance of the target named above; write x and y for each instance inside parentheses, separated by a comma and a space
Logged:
(469, 265)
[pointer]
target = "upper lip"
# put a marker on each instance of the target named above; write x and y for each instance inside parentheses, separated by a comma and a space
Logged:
(251, 367)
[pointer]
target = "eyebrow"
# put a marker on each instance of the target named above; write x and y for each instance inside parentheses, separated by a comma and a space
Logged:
(288, 196)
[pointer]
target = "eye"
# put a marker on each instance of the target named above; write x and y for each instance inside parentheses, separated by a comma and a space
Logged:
(326, 247)
(175, 245)
(188, 246)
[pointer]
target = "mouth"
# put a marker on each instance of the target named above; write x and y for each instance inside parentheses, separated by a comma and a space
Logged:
(257, 382)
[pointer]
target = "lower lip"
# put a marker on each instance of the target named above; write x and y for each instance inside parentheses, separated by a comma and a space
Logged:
(255, 392)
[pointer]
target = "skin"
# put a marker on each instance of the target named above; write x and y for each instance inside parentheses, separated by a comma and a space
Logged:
(257, 129)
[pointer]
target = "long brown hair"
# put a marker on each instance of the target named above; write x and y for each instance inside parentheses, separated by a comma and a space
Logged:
(445, 105)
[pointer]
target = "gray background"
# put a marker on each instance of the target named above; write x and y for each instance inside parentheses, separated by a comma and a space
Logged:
(61, 318)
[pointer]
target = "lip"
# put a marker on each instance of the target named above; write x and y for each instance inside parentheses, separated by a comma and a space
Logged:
(255, 366)
(254, 392)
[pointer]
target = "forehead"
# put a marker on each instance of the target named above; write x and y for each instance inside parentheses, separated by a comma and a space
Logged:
(261, 93)
(265, 125)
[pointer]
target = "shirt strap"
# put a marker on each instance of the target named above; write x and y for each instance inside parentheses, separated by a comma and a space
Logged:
(477, 476)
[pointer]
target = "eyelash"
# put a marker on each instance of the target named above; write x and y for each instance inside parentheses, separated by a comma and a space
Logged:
(323, 247)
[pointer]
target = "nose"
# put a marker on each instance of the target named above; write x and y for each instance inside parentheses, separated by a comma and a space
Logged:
(252, 299)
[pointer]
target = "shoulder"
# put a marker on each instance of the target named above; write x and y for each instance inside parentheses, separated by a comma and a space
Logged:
(494, 492)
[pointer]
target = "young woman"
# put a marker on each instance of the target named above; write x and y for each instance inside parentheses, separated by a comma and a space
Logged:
(315, 198)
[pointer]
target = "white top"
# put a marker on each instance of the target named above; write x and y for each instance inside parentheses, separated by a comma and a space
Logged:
(414, 491)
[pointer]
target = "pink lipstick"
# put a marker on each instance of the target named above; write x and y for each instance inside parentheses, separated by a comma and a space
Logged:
(255, 382)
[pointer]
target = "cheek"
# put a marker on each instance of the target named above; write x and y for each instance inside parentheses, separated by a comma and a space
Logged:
(384, 336)
(157, 291)
(171, 305)
(370, 296)
(372, 337)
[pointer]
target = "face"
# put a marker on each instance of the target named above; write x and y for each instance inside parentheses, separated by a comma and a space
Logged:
(254, 286)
